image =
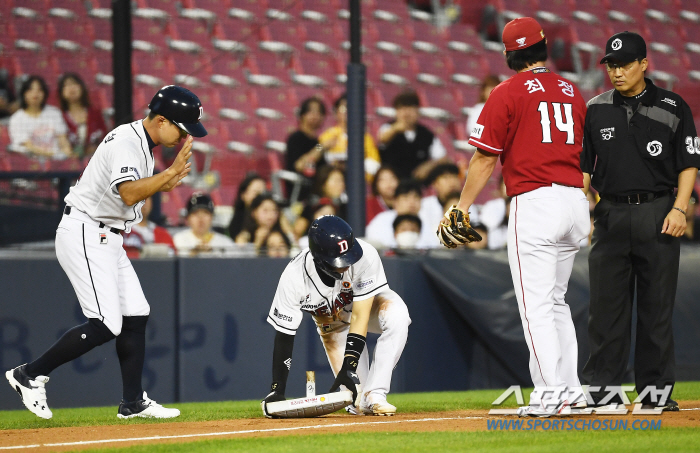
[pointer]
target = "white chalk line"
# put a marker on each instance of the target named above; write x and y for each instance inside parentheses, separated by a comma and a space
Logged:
(230, 433)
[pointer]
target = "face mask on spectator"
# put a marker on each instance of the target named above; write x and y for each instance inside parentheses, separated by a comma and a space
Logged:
(407, 239)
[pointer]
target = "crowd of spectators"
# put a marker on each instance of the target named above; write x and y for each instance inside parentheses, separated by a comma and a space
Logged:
(411, 180)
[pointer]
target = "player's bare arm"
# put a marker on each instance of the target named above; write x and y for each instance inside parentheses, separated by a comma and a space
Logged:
(360, 316)
(481, 167)
(675, 222)
(132, 192)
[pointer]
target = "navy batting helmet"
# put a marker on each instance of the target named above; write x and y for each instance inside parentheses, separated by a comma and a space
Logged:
(181, 106)
(333, 245)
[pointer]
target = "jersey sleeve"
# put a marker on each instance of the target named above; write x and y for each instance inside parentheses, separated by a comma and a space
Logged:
(285, 312)
(368, 278)
(686, 142)
(587, 153)
(125, 162)
(491, 129)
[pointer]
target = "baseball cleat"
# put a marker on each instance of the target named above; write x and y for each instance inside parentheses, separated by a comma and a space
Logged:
(32, 391)
(146, 408)
(670, 406)
(352, 410)
(376, 405)
(563, 408)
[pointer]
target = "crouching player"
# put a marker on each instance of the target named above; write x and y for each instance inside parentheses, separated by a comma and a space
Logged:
(340, 280)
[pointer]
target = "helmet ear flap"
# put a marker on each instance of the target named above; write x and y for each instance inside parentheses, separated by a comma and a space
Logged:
(327, 269)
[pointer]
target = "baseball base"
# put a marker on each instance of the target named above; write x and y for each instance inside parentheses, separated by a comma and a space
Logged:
(310, 407)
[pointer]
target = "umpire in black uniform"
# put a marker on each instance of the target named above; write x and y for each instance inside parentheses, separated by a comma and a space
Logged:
(639, 144)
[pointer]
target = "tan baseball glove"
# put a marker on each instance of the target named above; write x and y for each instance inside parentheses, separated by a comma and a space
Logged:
(454, 229)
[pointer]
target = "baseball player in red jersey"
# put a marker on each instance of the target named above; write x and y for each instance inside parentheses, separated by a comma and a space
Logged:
(534, 122)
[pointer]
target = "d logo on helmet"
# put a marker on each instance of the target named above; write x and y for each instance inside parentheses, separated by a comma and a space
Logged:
(343, 246)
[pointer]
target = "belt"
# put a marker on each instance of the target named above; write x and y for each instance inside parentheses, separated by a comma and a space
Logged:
(67, 210)
(637, 198)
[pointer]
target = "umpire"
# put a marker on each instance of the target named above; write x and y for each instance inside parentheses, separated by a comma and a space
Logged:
(639, 144)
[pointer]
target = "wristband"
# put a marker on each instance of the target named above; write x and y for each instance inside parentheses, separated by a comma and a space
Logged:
(354, 346)
(679, 209)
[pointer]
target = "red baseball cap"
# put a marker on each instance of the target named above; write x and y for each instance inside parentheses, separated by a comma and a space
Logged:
(521, 33)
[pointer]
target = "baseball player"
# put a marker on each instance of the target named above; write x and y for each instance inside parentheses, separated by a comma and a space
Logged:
(340, 280)
(105, 202)
(534, 122)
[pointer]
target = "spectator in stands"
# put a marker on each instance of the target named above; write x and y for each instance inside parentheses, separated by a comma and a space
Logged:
(407, 228)
(487, 85)
(380, 231)
(37, 129)
(276, 245)
(324, 206)
(444, 180)
(251, 186)
(200, 239)
(86, 126)
(405, 144)
(692, 229)
(335, 140)
(8, 103)
(304, 152)
(330, 183)
(264, 217)
(310, 213)
(383, 187)
(146, 238)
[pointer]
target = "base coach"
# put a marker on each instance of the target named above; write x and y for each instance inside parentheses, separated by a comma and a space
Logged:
(639, 144)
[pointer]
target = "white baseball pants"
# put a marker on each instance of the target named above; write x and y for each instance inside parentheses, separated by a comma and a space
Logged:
(101, 274)
(389, 318)
(545, 228)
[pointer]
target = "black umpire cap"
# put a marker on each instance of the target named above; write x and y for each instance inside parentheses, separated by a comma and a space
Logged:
(181, 106)
(625, 47)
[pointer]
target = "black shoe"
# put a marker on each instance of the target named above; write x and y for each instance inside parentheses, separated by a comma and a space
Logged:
(670, 406)
(146, 408)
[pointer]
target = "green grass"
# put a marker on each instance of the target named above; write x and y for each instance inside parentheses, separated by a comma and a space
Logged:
(671, 439)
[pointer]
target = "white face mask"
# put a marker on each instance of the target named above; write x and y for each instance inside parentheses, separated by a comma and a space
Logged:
(407, 239)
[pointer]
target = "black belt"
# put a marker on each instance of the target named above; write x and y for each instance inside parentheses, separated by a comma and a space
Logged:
(637, 198)
(67, 210)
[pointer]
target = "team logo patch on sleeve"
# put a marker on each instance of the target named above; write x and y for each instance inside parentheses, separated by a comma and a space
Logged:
(477, 131)
(125, 169)
(365, 283)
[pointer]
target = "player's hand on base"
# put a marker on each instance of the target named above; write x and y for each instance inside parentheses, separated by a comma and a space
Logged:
(351, 381)
(271, 398)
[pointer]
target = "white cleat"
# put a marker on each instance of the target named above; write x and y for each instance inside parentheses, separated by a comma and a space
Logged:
(376, 405)
(146, 408)
(352, 410)
(32, 391)
(561, 409)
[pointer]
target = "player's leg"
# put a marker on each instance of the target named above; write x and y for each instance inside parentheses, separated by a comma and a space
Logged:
(389, 317)
(655, 257)
(131, 347)
(568, 247)
(612, 291)
(533, 233)
(90, 265)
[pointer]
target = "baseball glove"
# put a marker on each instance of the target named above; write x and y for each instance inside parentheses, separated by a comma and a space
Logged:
(455, 229)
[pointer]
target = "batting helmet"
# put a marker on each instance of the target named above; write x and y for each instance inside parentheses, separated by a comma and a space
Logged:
(333, 245)
(181, 106)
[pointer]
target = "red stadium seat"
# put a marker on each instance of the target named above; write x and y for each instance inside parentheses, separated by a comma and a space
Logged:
(152, 31)
(153, 70)
(289, 32)
(670, 7)
(268, 63)
(464, 38)
(399, 35)
(675, 64)
(75, 30)
(521, 7)
(425, 32)
(26, 62)
(226, 66)
(236, 29)
(433, 68)
(561, 9)
(447, 98)
(403, 66)
(219, 7)
(327, 7)
(324, 66)
(193, 31)
(394, 7)
(172, 7)
(239, 100)
(82, 63)
(274, 133)
(470, 69)
(292, 7)
(692, 30)
(624, 10)
(669, 34)
(280, 100)
(33, 29)
(598, 8)
(77, 6)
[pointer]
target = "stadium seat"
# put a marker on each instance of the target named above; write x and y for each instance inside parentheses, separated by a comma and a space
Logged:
(274, 133)
(393, 37)
(292, 33)
(629, 11)
(270, 64)
(151, 34)
(518, 8)
(70, 32)
(497, 62)
(237, 104)
(27, 62)
(589, 43)
(669, 7)
(447, 98)
(470, 69)
(398, 69)
(429, 38)
(328, 8)
(228, 70)
(235, 29)
(191, 35)
(692, 30)
(101, 26)
(193, 70)
(172, 7)
(325, 67)
(597, 8)
(433, 69)
(464, 38)
(672, 35)
(220, 8)
(34, 29)
(275, 103)
(556, 10)
(391, 10)
(291, 7)
(153, 70)
(668, 67)
(82, 63)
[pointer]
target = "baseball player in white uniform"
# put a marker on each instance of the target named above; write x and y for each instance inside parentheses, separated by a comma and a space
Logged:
(534, 122)
(106, 201)
(340, 280)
